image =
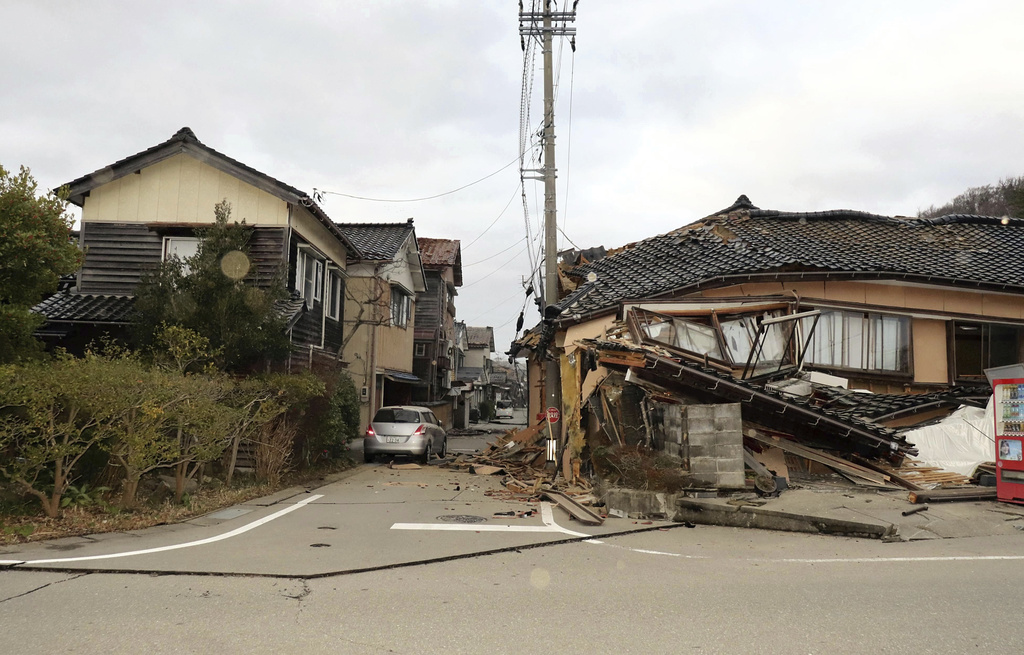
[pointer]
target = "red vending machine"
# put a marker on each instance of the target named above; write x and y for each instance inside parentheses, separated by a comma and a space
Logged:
(1008, 403)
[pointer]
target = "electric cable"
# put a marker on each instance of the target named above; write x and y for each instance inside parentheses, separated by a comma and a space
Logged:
(487, 259)
(322, 192)
(507, 262)
(507, 205)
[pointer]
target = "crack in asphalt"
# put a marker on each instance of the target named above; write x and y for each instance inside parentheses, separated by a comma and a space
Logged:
(335, 574)
(48, 584)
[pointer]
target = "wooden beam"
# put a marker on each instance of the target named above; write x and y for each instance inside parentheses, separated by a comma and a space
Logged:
(963, 493)
(577, 511)
(843, 466)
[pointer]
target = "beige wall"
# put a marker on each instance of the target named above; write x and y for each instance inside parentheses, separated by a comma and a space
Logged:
(315, 233)
(895, 295)
(374, 345)
(476, 356)
(181, 189)
(930, 362)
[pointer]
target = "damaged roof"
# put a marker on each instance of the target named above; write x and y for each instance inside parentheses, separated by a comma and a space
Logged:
(745, 242)
(439, 253)
(379, 241)
(480, 336)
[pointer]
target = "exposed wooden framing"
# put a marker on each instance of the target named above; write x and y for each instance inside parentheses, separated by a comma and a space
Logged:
(845, 467)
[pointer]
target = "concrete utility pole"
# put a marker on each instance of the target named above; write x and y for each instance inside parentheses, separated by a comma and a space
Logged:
(545, 25)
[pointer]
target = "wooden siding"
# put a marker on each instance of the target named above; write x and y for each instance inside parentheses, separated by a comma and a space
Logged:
(117, 255)
(180, 189)
(266, 250)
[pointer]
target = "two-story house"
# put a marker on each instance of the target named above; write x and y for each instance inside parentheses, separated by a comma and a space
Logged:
(477, 363)
(384, 275)
(145, 208)
(434, 346)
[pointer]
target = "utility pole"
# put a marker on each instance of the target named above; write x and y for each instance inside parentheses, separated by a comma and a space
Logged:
(545, 25)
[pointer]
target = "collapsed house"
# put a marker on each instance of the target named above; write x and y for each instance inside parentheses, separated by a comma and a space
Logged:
(754, 337)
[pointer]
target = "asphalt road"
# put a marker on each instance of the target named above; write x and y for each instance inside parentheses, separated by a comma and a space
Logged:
(385, 560)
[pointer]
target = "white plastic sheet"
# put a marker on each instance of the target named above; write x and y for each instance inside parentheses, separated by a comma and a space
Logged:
(959, 442)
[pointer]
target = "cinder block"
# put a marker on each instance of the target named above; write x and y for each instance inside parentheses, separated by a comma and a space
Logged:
(727, 410)
(729, 424)
(701, 426)
(730, 451)
(731, 480)
(703, 465)
(700, 411)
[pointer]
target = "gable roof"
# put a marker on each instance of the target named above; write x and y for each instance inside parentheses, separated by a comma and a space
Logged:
(743, 241)
(480, 336)
(185, 141)
(439, 253)
(377, 241)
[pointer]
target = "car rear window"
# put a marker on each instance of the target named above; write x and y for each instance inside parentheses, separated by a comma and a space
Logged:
(396, 416)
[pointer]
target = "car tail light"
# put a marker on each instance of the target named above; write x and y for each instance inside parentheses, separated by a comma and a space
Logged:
(369, 431)
(420, 431)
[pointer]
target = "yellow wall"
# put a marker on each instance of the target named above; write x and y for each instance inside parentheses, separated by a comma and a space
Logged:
(181, 189)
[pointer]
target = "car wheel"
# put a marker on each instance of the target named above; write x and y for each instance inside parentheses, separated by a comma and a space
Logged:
(444, 448)
(367, 457)
(426, 453)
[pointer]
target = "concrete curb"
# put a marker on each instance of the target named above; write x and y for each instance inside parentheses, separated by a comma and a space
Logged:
(709, 513)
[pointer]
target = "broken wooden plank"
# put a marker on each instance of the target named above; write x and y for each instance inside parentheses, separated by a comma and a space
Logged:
(841, 465)
(577, 511)
(757, 467)
(484, 469)
(608, 416)
(941, 495)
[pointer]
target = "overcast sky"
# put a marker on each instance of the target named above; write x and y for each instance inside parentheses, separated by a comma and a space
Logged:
(668, 111)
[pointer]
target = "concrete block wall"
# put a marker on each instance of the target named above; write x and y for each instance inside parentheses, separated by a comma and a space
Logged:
(715, 434)
(674, 431)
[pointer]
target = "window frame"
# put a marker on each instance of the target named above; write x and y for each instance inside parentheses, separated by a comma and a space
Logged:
(333, 299)
(400, 312)
(165, 247)
(864, 336)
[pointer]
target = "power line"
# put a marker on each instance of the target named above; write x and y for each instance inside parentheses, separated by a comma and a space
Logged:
(320, 192)
(486, 259)
(507, 262)
(507, 205)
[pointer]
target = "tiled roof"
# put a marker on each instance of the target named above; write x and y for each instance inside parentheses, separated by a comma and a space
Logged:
(377, 240)
(439, 253)
(470, 373)
(185, 140)
(480, 336)
(68, 307)
(872, 406)
(951, 250)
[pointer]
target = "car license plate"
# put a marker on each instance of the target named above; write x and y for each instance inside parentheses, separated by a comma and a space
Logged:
(392, 439)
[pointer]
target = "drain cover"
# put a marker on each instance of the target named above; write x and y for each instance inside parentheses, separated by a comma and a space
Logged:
(461, 518)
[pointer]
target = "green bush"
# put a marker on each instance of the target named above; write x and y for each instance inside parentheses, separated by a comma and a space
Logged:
(486, 411)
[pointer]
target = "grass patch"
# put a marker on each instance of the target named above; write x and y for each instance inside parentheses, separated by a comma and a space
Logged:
(22, 522)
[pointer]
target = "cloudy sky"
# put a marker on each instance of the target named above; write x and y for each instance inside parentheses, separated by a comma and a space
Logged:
(667, 112)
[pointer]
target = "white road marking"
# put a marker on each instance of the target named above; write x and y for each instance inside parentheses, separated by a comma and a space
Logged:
(227, 535)
(545, 516)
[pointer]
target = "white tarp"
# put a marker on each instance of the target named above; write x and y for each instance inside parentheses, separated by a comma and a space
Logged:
(959, 442)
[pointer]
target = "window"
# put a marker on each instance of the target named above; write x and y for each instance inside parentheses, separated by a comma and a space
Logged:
(869, 342)
(335, 289)
(977, 346)
(421, 350)
(180, 247)
(401, 306)
(318, 281)
(309, 276)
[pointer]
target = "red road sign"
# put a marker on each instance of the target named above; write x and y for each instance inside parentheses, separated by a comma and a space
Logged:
(553, 415)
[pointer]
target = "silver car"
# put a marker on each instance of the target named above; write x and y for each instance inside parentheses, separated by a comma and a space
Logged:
(404, 430)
